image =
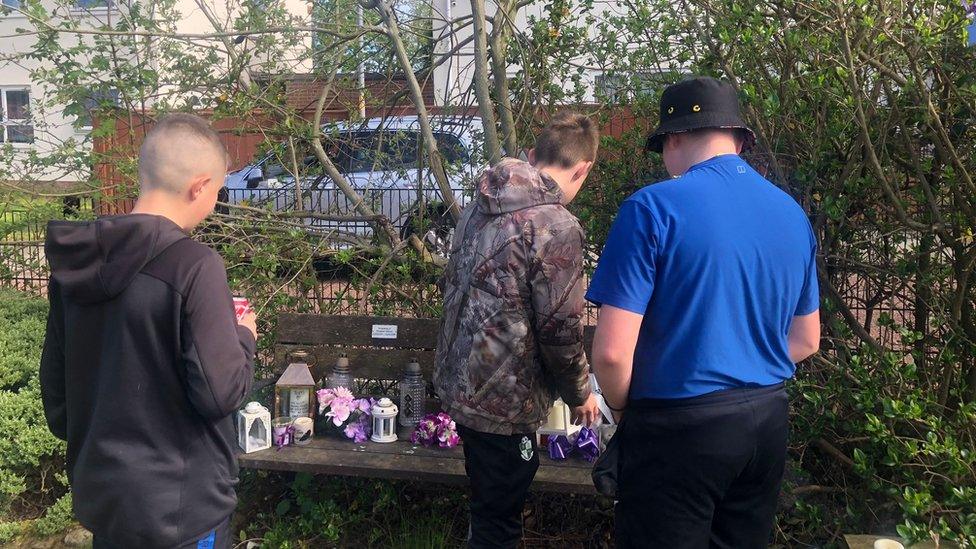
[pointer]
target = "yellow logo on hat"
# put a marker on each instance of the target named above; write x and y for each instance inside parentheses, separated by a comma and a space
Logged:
(696, 108)
(670, 110)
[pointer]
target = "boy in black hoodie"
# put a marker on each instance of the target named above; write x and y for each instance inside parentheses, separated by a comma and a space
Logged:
(144, 363)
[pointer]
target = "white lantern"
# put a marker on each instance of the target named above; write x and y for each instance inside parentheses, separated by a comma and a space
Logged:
(384, 421)
(254, 428)
(560, 421)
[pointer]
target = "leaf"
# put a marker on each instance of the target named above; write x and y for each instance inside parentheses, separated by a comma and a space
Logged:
(283, 507)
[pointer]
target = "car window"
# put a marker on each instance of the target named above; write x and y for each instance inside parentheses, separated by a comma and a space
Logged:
(451, 148)
(364, 151)
(380, 151)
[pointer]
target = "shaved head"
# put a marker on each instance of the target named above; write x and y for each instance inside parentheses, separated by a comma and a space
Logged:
(177, 149)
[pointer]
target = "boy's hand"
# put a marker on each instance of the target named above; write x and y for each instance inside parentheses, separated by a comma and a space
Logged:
(587, 413)
(250, 321)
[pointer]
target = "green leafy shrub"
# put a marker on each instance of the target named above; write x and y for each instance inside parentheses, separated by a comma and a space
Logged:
(31, 459)
(57, 519)
(9, 531)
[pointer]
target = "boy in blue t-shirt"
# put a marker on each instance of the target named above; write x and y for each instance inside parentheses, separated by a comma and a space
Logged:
(709, 297)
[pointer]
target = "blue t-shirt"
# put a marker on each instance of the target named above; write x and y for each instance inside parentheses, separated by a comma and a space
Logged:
(718, 261)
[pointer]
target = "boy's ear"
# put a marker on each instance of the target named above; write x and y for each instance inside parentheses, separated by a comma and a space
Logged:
(582, 170)
(532, 156)
(197, 185)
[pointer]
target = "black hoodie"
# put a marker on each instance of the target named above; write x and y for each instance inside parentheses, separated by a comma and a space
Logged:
(143, 368)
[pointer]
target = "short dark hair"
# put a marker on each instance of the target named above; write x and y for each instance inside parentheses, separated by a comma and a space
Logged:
(568, 138)
(158, 155)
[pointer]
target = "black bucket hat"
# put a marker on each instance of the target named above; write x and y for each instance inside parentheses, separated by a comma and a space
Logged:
(696, 103)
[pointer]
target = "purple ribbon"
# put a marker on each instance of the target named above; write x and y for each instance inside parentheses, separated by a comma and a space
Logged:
(285, 437)
(559, 447)
(586, 444)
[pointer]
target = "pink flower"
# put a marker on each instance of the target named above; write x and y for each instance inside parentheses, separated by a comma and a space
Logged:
(325, 396)
(343, 393)
(339, 412)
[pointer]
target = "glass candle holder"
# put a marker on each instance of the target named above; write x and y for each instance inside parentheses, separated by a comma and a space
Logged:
(281, 431)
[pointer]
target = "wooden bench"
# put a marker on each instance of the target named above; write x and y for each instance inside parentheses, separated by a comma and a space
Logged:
(377, 364)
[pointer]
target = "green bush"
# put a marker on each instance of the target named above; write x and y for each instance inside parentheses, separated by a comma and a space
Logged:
(31, 459)
(57, 518)
(9, 531)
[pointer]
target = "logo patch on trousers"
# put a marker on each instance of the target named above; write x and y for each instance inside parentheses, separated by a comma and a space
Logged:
(525, 448)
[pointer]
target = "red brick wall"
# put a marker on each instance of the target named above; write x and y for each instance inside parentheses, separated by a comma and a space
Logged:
(302, 93)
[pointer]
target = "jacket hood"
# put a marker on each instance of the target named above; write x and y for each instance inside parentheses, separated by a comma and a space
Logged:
(514, 184)
(95, 261)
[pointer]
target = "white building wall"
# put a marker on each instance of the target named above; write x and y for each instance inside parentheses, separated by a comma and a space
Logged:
(453, 79)
(53, 130)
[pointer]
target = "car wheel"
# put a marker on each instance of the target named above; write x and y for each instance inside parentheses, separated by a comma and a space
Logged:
(223, 195)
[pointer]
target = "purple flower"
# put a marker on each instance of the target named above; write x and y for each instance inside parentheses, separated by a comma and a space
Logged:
(437, 429)
(365, 405)
(356, 431)
(450, 440)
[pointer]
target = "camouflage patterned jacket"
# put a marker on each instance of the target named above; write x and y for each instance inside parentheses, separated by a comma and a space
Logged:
(511, 338)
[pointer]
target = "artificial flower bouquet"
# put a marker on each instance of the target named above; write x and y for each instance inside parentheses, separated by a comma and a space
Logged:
(344, 413)
(437, 429)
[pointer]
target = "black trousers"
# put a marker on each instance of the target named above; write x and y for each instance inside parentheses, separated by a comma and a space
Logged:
(218, 538)
(500, 469)
(702, 472)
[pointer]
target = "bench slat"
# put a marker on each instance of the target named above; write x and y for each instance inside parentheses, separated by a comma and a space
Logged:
(402, 460)
(356, 331)
(363, 362)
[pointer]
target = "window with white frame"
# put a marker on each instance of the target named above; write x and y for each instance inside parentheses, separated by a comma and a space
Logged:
(15, 123)
(97, 100)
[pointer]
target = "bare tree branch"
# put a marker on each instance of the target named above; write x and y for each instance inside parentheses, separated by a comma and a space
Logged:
(358, 203)
(416, 94)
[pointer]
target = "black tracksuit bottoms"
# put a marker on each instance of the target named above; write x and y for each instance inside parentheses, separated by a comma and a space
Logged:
(702, 472)
(500, 469)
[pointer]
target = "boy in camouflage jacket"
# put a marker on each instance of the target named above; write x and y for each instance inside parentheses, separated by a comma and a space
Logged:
(511, 338)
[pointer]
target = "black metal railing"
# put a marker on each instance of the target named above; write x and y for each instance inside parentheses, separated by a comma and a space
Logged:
(399, 205)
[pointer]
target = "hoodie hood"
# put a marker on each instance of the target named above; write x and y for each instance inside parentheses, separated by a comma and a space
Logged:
(514, 184)
(94, 261)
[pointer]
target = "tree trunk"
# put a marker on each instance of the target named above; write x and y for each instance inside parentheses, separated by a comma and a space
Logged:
(500, 34)
(481, 87)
